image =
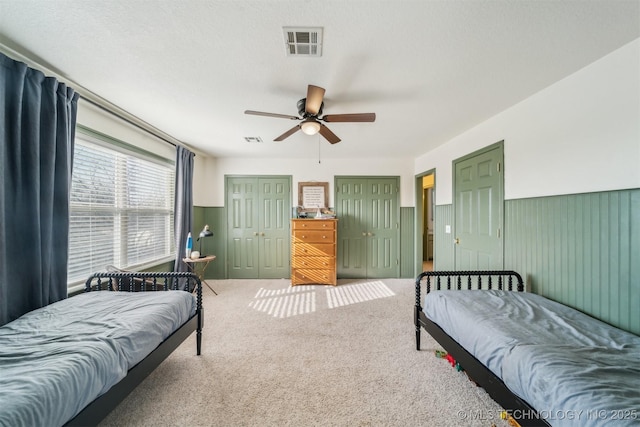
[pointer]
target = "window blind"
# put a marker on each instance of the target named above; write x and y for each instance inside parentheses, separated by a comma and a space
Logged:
(121, 209)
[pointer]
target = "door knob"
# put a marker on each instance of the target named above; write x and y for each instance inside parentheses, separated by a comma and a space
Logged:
(369, 234)
(255, 233)
(456, 241)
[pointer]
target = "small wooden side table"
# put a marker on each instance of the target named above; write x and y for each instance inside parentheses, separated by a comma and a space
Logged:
(204, 262)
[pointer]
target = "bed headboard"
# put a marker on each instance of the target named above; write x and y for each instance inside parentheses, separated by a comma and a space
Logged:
(489, 279)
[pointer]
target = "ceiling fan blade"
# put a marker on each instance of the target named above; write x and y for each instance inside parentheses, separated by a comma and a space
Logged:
(328, 135)
(315, 94)
(288, 133)
(363, 117)
(281, 116)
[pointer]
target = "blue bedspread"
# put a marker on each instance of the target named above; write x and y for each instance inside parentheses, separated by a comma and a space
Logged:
(57, 359)
(574, 369)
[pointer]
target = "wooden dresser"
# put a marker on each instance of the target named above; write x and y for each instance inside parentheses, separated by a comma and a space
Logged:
(313, 251)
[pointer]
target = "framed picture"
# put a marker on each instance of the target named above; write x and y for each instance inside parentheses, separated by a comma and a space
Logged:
(313, 195)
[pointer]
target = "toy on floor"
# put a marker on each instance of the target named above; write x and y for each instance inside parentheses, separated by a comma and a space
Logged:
(444, 355)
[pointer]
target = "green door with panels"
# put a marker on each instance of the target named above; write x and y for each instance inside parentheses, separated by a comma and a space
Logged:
(258, 213)
(479, 205)
(368, 211)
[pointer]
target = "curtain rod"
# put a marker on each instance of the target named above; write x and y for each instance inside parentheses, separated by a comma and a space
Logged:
(88, 95)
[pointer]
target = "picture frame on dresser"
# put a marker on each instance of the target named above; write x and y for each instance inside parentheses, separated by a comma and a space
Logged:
(313, 195)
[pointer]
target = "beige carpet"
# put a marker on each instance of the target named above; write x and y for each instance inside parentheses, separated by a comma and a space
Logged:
(274, 355)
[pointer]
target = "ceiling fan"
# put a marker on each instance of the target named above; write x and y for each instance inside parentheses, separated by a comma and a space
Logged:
(310, 109)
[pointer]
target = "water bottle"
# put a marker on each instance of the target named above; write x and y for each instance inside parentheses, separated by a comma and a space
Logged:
(189, 245)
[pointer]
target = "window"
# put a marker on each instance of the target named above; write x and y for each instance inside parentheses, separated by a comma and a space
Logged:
(121, 210)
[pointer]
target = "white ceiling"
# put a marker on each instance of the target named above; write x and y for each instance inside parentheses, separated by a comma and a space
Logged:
(429, 69)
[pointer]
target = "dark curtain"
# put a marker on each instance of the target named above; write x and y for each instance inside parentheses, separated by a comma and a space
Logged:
(183, 211)
(37, 129)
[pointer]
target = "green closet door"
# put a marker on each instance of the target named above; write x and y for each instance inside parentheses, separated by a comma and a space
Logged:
(275, 232)
(351, 210)
(243, 229)
(368, 227)
(258, 212)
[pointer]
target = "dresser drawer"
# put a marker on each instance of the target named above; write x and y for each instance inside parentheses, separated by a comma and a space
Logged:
(303, 275)
(313, 236)
(322, 262)
(317, 249)
(314, 224)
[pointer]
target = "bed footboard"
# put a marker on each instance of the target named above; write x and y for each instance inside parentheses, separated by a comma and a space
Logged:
(138, 281)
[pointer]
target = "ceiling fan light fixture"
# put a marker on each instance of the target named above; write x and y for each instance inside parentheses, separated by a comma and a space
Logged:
(310, 110)
(310, 127)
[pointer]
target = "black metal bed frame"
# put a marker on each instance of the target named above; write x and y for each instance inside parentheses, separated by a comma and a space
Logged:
(516, 408)
(97, 410)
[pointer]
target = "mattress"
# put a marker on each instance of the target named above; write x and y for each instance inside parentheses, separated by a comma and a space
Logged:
(561, 361)
(57, 359)
(577, 386)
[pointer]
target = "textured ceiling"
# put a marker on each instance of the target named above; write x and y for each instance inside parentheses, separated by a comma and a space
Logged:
(429, 69)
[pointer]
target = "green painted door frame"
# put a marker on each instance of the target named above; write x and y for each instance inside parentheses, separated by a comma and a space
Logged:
(419, 220)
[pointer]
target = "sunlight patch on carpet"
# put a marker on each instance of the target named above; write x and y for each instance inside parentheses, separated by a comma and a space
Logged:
(262, 292)
(356, 293)
(285, 302)
(296, 300)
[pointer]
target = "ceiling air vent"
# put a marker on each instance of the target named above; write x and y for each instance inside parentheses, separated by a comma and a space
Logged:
(253, 139)
(303, 41)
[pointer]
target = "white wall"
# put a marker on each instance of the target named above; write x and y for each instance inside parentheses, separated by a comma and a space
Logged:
(101, 121)
(582, 134)
(205, 180)
(209, 182)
